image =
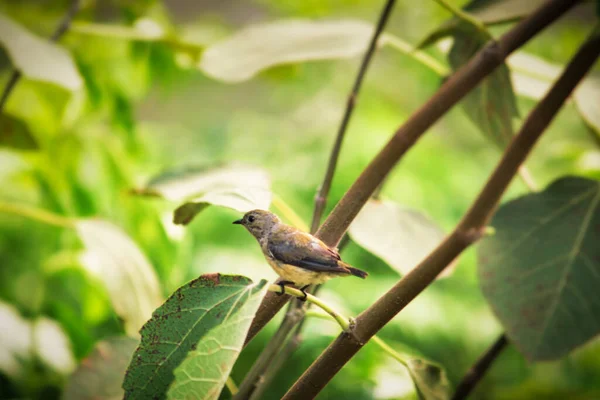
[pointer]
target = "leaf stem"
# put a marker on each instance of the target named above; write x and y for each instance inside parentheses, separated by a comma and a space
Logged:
(134, 34)
(471, 227)
(396, 43)
(321, 198)
(344, 322)
(231, 386)
(60, 30)
(465, 17)
(36, 214)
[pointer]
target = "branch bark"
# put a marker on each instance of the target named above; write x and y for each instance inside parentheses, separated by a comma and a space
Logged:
(468, 230)
(455, 88)
(60, 30)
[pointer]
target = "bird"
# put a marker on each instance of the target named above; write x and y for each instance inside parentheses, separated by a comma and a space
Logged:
(298, 257)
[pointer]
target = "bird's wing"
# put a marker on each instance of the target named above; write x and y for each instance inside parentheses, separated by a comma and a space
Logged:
(305, 251)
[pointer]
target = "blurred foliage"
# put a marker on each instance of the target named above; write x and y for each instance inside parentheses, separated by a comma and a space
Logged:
(145, 108)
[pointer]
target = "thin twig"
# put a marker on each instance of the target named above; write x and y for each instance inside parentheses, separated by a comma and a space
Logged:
(465, 17)
(321, 198)
(477, 371)
(60, 30)
(450, 93)
(469, 229)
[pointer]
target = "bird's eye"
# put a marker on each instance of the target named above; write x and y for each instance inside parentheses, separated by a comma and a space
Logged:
(251, 218)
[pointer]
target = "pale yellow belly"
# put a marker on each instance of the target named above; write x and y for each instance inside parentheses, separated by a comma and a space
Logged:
(300, 276)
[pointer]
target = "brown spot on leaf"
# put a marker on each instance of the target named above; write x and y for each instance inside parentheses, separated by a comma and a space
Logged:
(214, 278)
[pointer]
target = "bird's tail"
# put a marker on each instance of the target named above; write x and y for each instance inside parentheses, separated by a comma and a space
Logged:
(355, 271)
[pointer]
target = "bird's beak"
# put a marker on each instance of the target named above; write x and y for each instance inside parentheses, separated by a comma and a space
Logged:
(238, 222)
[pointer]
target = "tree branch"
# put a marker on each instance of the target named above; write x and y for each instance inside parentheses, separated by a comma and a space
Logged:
(321, 198)
(468, 230)
(480, 368)
(455, 88)
(60, 30)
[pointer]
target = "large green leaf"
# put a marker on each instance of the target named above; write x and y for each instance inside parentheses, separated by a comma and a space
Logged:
(193, 339)
(489, 12)
(99, 376)
(258, 47)
(241, 188)
(37, 58)
(399, 236)
(127, 274)
(541, 270)
(15, 133)
(492, 104)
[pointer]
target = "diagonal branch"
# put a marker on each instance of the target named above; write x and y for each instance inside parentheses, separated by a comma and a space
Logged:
(60, 30)
(451, 92)
(468, 230)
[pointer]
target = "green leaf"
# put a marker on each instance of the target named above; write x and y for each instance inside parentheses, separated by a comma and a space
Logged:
(193, 339)
(15, 133)
(490, 12)
(429, 378)
(37, 58)
(258, 47)
(100, 374)
(240, 188)
(541, 270)
(400, 237)
(492, 104)
(127, 274)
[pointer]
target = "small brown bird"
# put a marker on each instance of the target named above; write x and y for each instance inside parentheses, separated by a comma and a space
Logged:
(298, 257)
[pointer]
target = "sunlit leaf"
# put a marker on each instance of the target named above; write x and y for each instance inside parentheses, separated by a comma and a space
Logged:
(533, 77)
(193, 339)
(490, 12)
(492, 105)
(127, 274)
(541, 270)
(38, 58)
(100, 374)
(586, 100)
(52, 345)
(430, 379)
(241, 188)
(258, 47)
(26, 342)
(15, 340)
(401, 237)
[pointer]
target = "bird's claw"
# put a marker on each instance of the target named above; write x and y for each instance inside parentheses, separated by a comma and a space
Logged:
(282, 285)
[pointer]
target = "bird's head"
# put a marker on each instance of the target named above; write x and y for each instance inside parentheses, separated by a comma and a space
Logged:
(258, 222)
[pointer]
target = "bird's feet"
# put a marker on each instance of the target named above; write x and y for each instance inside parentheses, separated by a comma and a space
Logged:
(302, 289)
(282, 285)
